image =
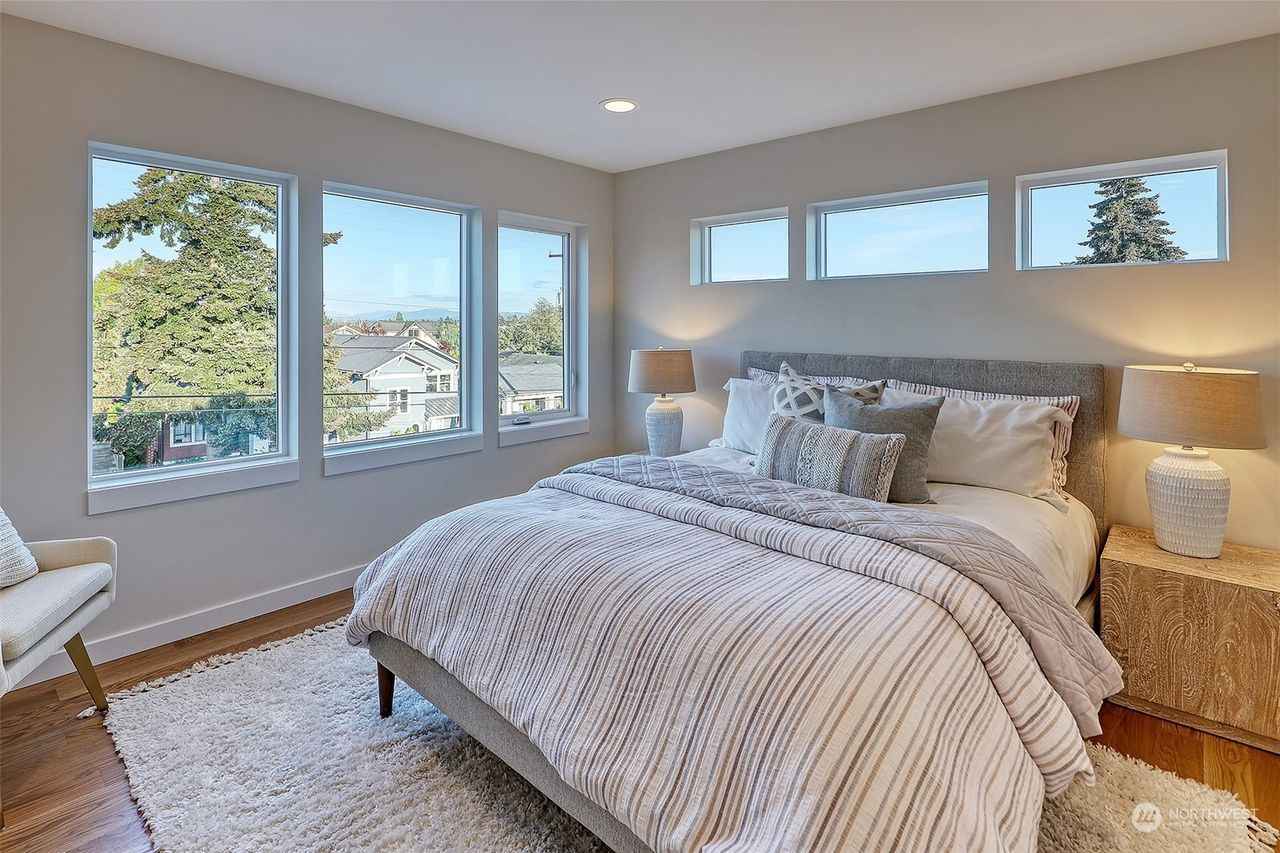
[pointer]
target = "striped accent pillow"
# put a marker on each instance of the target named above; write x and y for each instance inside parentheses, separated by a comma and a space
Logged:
(16, 562)
(759, 374)
(1061, 430)
(836, 460)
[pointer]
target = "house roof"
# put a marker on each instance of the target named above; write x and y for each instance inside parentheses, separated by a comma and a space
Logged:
(364, 353)
(442, 407)
(529, 373)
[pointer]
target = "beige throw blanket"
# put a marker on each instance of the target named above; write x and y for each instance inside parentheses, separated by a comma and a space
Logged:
(726, 662)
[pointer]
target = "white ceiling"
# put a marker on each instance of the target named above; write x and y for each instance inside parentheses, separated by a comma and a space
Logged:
(707, 75)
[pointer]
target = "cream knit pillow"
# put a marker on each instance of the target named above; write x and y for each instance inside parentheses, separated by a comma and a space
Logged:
(16, 562)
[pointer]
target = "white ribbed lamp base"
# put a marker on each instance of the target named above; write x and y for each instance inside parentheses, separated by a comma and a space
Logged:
(1189, 494)
(663, 421)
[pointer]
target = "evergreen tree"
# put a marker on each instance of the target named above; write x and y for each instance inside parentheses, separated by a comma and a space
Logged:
(1127, 227)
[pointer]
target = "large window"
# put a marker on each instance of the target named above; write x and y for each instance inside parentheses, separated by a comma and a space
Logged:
(535, 329)
(394, 282)
(189, 310)
(740, 247)
(943, 229)
(1160, 211)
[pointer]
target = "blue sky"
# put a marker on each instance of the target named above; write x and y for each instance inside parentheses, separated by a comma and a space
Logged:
(528, 269)
(390, 258)
(1060, 215)
(933, 236)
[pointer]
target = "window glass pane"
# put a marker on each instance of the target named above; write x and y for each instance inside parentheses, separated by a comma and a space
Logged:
(941, 235)
(748, 251)
(393, 305)
(185, 317)
(1155, 218)
(532, 278)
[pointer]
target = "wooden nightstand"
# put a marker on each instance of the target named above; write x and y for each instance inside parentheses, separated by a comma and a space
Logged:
(1199, 640)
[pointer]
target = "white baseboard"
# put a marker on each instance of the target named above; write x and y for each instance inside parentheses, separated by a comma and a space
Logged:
(180, 627)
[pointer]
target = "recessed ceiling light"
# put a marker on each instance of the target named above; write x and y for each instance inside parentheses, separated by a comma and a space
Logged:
(618, 105)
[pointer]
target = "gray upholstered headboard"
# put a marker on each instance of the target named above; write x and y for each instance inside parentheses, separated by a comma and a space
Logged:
(1087, 458)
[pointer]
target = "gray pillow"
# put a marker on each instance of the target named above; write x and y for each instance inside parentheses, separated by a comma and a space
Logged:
(913, 420)
(822, 457)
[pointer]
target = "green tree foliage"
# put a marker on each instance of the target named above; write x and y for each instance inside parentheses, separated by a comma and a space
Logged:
(1127, 227)
(449, 333)
(541, 330)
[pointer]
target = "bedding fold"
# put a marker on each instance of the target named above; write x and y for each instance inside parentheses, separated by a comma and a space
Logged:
(725, 662)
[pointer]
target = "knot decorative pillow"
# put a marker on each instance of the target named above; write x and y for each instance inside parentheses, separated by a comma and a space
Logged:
(16, 562)
(829, 458)
(798, 396)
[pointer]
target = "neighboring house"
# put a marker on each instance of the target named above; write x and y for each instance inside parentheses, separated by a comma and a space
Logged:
(406, 329)
(406, 374)
(529, 382)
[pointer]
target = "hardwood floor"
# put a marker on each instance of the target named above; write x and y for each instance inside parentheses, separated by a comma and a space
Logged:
(65, 788)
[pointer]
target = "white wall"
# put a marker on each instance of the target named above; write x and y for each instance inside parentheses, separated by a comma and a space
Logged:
(1217, 314)
(61, 90)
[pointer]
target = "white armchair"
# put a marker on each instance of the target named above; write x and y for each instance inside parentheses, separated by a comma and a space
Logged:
(76, 582)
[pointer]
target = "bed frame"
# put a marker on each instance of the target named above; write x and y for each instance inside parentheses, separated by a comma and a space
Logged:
(1085, 480)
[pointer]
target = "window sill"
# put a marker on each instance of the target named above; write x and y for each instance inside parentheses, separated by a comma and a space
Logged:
(344, 460)
(740, 281)
(511, 434)
(167, 486)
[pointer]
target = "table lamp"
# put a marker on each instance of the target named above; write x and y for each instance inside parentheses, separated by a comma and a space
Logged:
(662, 371)
(1193, 407)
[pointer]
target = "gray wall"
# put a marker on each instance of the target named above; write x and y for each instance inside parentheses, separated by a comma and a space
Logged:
(1220, 313)
(61, 90)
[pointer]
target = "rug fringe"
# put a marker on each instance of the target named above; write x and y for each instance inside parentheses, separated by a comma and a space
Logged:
(222, 660)
(1263, 837)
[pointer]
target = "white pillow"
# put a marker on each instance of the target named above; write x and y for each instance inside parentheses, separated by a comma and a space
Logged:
(16, 562)
(998, 444)
(750, 404)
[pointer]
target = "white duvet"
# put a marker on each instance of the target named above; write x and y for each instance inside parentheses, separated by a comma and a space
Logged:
(1064, 546)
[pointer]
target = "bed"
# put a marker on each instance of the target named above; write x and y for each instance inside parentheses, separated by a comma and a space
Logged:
(683, 656)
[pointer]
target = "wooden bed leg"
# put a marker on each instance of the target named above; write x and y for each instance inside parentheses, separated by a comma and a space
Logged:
(386, 689)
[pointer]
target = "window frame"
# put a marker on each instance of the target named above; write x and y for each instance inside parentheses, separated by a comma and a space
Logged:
(700, 243)
(131, 489)
(1128, 169)
(572, 417)
(816, 231)
(468, 436)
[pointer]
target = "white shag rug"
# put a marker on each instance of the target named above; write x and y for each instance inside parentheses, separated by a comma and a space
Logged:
(281, 748)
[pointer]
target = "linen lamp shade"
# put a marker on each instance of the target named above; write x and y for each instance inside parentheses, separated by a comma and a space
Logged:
(661, 371)
(1192, 406)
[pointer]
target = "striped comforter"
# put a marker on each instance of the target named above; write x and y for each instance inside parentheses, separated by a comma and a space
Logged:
(726, 662)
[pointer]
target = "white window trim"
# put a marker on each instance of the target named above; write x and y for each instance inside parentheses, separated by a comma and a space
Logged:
(700, 243)
(366, 454)
(572, 419)
(815, 230)
(128, 490)
(1132, 168)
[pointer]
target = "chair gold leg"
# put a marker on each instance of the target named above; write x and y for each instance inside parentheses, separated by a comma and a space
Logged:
(80, 657)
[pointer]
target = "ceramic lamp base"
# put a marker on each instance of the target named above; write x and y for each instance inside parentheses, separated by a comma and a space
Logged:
(663, 421)
(1189, 494)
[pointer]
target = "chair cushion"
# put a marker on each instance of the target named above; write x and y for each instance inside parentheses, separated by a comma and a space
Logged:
(31, 609)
